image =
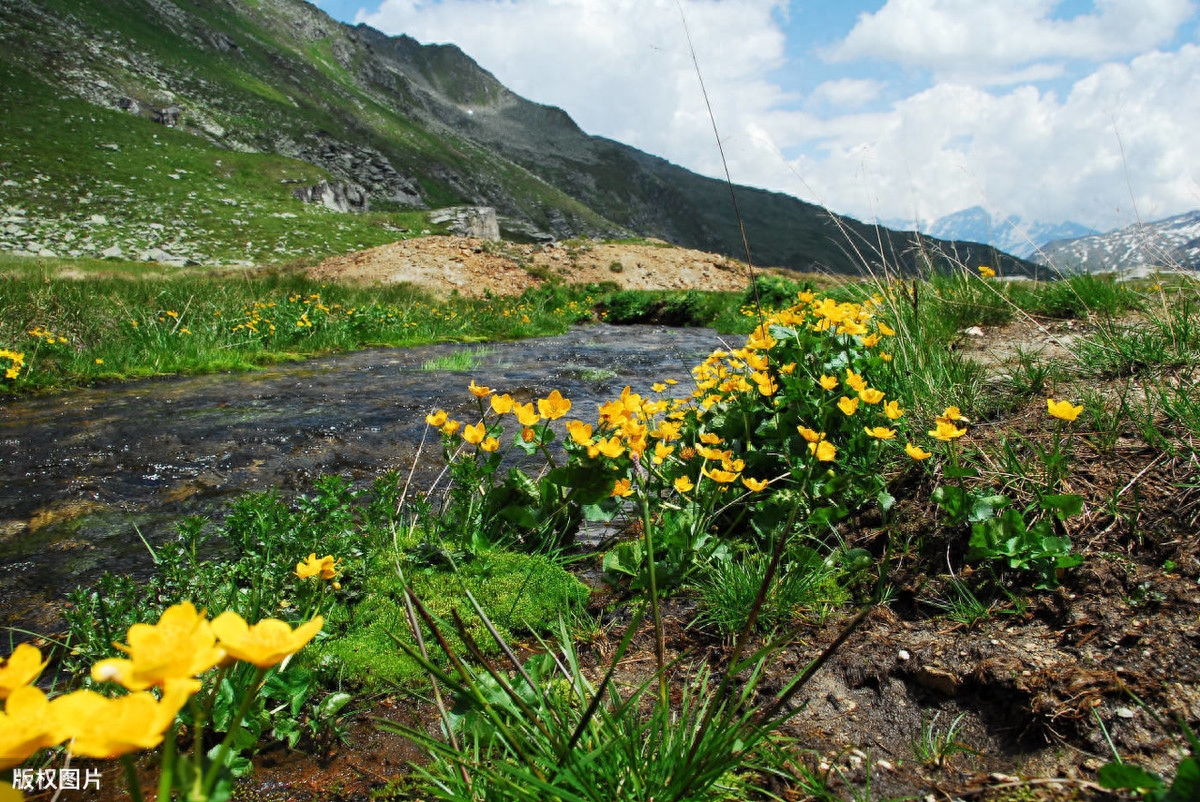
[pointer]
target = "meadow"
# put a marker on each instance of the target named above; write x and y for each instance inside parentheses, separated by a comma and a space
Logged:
(865, 554)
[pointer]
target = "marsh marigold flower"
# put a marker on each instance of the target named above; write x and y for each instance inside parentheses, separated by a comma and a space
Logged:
(824, 451)
(828, 382)
(436, 419)
(880, 432)
(754, 485)
(580, 432)
(892, 410)
(1063, 410)
(21, 668)
(683, 484)
(986, 271)
(526, 414)
(719, 476)
(916, 452)
(554, 406)
(479, 391)
(810, 435)
(885, 328)
(502, 404)
(451, 427)
(180, 646)
(102, 727)
(325, 567)
(27, 724)
(952, 415)
(871, 395)
(490, 444)
(855, 380)
(946, 431)
(266, 643)
(848, 405)
(622, 489)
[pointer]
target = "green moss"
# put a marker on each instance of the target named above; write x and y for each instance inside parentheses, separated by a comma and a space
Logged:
(520, 593)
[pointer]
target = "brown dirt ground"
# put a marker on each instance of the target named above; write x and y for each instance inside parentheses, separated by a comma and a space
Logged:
(472, 267)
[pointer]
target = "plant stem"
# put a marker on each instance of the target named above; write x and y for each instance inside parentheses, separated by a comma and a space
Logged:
(131, 778)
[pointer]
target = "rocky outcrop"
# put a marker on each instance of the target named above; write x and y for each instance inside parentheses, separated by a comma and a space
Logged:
(341, 196)
(358, 164)
(469, 221)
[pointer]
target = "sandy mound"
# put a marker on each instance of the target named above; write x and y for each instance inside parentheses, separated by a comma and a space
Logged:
(473, 267)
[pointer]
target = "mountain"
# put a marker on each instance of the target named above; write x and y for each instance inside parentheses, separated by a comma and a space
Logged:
(1010, 234)
(182, 127)
(1169, 244)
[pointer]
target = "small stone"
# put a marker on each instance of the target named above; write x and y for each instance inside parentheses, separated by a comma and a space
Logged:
(904, 656)
(99, 220)
(973, 331)
(885, 765)
(1124, 712)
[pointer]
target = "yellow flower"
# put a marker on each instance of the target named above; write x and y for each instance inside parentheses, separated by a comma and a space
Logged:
(622, 489)
(553, 406)
(99, 361)
(828, 382)
(886, 357)
(580, 432)
(711, 438)
(526, 414)
(478, 391)
(892, 410)
(1063, 410)
(474, 434)
(825, 451)
(916, 452)
(451, 427)
(181, 645)
(683, 484)
(27, 724)
(848, 405)
(326, 567)
(489, 444)
(986, 271)
(661, 452)
(528, 434)
(885, 328)
(765, 384)
(502, 403)
(266, 643)
(658, 387)
(880, 432)
(870, 341)
(754, 485)
(713, 453)
(436, 419)
(719, 476)
(952, 415)
(947, 431)
(855, 380)
(810, 435)
(100, 727)
(21, 668)
(610, 448)
(871, 395)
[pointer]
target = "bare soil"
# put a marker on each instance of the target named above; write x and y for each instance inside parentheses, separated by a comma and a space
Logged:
(473, 268)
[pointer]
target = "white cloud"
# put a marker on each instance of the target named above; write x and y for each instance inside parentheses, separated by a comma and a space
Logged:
(847, 93)
(622, 69)
(1022, 151)
(983, 39)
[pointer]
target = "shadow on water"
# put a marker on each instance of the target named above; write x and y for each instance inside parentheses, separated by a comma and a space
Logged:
(81, 475)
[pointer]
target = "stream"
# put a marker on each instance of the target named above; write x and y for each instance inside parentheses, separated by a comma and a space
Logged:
(85, 476)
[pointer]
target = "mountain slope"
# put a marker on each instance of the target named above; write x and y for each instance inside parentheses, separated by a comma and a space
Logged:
(1010, 234)
(258, 95)
(1173, 243)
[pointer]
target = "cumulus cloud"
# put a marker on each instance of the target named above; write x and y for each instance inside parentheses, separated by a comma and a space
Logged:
(980, 136)
(986, 40)
(622, 68)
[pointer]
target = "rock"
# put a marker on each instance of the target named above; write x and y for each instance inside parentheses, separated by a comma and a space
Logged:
(113, 252)
(162, 257)
(168, 116)
(125, 104)
(46, 253)
(98, 220)
(469, 221)
(342, 196)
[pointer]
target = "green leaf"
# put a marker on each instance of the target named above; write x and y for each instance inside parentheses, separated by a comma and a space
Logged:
(1063, 505)
(1126, 776)
(984, 507)
(332, 704)
(626, 558)
(1186, 787)
(959, 472)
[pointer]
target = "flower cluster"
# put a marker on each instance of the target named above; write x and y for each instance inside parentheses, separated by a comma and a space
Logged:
(16, 361)
(167, 656)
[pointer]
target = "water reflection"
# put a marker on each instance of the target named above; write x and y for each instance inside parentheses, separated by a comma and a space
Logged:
(81, 475)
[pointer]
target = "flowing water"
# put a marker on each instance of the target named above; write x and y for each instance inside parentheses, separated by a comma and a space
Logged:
(85, 476)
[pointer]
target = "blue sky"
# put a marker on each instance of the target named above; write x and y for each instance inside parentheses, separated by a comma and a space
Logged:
(899, 109)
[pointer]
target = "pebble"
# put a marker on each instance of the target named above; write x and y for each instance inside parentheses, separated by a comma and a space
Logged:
(903, 655)
(1124, 712)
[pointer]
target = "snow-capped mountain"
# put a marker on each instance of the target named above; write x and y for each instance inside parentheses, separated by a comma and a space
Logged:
(1173, 243)
(1010, 234)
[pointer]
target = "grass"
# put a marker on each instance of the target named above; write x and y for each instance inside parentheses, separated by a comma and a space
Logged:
(459, 361)
(81, 322)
